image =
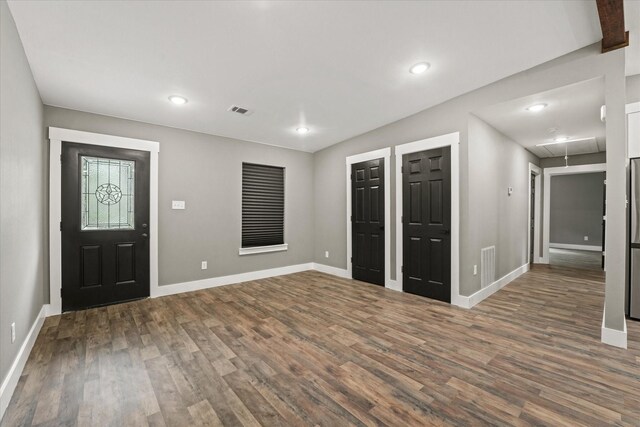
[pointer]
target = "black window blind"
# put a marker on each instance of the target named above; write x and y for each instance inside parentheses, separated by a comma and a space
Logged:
(262, 205)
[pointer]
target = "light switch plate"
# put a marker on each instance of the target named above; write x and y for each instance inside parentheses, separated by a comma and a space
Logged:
(204, 265)
(178, 204)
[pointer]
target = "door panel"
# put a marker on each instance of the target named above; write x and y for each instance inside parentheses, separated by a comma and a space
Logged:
(427, 223)
(532, 219)
(105, 217)
(367, 207)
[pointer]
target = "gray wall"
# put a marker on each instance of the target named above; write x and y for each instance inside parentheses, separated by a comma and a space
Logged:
(205, 171)
(578, 160)
(503, 217)
(454, 116)
(576, 209)
(23, 190)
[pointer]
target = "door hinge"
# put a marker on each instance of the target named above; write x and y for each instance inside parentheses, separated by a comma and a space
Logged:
(351, 218)
(352, 260)
(60, 225)
(60, 292)
(60, 158)
(401, 169)
(402, 219)
(402, 269)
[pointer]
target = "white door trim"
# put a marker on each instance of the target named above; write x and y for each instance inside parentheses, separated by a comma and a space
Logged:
(385, 154)
(537, 171)
(548, 173)
(449, 140)
(56, 137)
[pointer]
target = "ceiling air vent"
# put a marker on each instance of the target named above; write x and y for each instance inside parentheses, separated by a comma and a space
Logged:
(240, 110)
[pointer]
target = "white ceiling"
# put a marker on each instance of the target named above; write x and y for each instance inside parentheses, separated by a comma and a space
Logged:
(572, 111)
(340, 68)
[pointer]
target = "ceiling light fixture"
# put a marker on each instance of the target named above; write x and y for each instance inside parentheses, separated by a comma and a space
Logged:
(178, 100)
(561, 139)
(419, 68)
(302, 130)
(537, 107)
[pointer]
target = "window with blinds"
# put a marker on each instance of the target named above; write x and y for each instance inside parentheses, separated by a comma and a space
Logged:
(262, 205)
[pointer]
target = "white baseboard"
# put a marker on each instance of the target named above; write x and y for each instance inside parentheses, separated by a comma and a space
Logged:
(470, 301)
(11, 380)
(213, 282)
(591, 248)
(394, 286)
(614, 337)
(334, 271)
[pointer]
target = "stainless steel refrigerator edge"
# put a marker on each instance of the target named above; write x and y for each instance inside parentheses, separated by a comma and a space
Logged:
(633, 291)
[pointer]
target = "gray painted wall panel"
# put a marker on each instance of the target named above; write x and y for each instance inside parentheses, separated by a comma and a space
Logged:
(503, 218)
(205, 171)
(576, 209)
(23, 165)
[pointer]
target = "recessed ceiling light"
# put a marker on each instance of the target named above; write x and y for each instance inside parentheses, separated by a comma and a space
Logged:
(419, 68)
(178, 100)
(537, 107)
(302, 130)
(561, 139)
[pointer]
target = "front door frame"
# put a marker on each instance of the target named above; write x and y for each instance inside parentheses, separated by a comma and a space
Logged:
(449, 140)
(385, 154)
(56, 137)
(548, 173)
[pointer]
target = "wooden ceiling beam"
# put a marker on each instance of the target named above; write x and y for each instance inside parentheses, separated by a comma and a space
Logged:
(611, 13)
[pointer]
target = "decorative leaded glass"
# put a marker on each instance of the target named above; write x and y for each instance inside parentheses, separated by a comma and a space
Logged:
(107, 194)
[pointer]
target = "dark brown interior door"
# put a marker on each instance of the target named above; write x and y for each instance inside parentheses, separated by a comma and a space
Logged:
(532, 219)
(367, 221)
(105, 231)
(426, 217)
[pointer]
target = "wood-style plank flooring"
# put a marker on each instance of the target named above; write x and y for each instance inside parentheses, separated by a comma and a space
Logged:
(575, 259)
(312, 349)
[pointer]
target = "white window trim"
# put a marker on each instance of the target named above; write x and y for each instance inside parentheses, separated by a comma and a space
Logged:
(56, 137)
(385, 154)
(263, 249)
(449, 140)
(537, 171)
(548, 173)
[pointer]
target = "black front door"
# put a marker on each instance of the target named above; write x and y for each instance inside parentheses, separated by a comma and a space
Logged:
(426, 218)
(367, 221)
(105, 231)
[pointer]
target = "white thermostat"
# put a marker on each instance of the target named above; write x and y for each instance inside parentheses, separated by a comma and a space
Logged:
(178, 204)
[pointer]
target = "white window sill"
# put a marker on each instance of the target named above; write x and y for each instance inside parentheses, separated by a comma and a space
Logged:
(263, 249)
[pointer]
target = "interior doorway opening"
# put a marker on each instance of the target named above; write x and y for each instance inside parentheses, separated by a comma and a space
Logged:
(576, 219)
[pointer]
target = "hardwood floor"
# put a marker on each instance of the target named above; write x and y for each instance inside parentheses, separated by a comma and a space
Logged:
(312, 349)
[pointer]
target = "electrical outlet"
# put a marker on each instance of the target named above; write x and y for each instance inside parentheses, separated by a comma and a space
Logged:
(475, 270)
(178, 204)
(204, 265)
(326, 254)
(13, 332)
(586, 238)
